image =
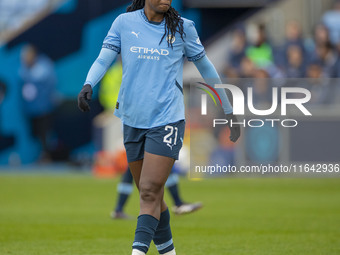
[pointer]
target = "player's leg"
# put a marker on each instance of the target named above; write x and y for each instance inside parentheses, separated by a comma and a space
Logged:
(180, 206)
(134, 141)
(154, 173)
(136, 169)
(162, 145)
(172, 185)
(163, 232)
(124, 189)
(166, 141)
(163, 235)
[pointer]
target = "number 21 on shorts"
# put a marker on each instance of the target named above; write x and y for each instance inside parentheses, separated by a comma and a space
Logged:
(168, 138)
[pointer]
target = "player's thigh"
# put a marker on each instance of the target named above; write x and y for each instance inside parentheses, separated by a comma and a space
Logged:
(134, 142)
(155, 172)
(162, 146)
(136, 169)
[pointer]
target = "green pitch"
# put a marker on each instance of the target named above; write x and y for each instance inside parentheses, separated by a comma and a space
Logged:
(69, 214)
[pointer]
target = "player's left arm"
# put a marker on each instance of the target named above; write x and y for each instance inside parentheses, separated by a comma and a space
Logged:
(195, 52)
(209, 73)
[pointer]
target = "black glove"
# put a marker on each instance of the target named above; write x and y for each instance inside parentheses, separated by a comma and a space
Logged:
(84, 96)
(235, 130)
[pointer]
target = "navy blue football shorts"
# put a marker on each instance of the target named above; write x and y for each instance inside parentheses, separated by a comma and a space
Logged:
(165, 141)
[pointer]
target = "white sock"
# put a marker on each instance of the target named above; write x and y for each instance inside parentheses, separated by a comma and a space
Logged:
(137, 252)
(172, 252)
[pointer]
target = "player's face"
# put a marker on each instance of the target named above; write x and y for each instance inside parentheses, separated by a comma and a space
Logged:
(160, 6)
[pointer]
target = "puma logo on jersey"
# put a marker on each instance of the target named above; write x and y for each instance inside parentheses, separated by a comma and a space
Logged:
(169, 146)
(136, 34)
(198, 41)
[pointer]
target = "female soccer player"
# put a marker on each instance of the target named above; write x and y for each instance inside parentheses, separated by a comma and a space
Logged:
(153, 40)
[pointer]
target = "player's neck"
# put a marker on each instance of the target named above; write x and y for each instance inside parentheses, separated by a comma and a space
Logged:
(152, 15)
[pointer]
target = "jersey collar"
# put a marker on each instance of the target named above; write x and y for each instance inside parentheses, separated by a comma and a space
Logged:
(151, 22)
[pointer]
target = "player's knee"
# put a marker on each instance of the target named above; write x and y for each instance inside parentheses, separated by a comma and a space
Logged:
(149, 192)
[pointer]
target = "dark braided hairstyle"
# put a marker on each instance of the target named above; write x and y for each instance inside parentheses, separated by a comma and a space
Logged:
(173, 21)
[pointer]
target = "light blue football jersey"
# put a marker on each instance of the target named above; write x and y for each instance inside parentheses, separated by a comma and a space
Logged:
(151, 93)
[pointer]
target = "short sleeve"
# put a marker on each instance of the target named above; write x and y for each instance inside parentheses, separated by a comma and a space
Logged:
(112, 40)
(194, 49)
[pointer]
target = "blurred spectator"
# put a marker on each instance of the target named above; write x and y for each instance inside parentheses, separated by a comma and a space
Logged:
(5, 141)
(317, 85)
(293, 38)
(320, 36)
(331, 19)
(224, 153)
(260, 52)
(247, 68)
(314, 70)
(329, 60)
(238, 48)
(38, 94)
(294, 35)
(262, 89)
(295, 67)
(3, 90)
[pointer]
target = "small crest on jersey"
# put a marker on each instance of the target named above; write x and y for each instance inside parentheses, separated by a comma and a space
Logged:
(198, 41)
(117, 105)
(171, 39)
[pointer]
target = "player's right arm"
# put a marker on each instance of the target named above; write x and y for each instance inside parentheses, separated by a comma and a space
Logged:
(96, 73)
(111, 48)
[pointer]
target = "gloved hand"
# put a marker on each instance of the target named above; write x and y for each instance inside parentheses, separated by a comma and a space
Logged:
(84, 96)
(235, 130)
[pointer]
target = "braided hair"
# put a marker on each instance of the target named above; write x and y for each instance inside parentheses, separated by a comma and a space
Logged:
(173, 21)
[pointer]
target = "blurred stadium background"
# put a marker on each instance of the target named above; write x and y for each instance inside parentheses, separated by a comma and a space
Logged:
(244, 39)
(293, 39)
